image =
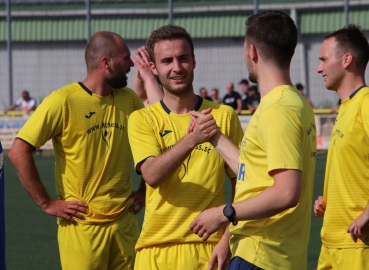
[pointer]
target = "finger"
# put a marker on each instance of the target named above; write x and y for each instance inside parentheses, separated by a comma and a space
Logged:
(74, 213)
(138, 208)
(205, 236)
(206, 111)
(212, 261)
(197, 114)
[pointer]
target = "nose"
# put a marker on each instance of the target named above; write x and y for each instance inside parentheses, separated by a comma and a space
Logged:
(319, 68)
(177, 65)
(131, 64)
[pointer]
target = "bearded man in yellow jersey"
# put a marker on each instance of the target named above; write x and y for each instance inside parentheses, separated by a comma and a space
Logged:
(276, 160)
(345, 233)
(184, 174)
(87, 122)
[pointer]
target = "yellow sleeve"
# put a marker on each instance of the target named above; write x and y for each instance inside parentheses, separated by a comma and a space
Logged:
(46, 122)
(281, 138)
(141, 136)
(365, 113)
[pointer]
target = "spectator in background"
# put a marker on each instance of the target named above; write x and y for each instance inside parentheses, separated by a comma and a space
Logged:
(232, 98)
(300, 88)
(244, 86)
(253, 99)
(214, 95)
(204, 93)
(24, 102)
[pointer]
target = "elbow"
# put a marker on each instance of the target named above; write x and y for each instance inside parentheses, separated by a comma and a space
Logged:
(150, 180)
(291, 200)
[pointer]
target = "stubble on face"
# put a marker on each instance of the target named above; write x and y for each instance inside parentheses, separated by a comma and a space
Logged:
(330, 66)
(174, 65)
(122, 63)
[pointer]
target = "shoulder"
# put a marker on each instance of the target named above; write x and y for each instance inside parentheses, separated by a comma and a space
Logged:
(59, 97)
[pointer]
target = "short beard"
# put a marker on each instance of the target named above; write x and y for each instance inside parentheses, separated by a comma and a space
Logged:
(117, 83)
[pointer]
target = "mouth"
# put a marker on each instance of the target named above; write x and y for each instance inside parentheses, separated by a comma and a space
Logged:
(178, 78)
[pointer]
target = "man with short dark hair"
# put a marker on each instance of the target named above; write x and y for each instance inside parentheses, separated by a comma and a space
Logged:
(270, 215)
(244, 86)
(343, 58)
(232, 98)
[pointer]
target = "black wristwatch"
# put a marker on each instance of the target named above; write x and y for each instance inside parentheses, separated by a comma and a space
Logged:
(229, 212)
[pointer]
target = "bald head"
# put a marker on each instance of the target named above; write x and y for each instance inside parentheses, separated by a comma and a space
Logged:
(102, 44)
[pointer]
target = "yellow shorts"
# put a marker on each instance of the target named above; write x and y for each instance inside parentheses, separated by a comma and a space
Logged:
(99, 246)
(343, 258)
(190, 256)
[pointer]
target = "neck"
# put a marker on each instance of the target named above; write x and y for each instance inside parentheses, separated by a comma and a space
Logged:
(180, 104)
(97, 85)
(349, 84)
(271, 77)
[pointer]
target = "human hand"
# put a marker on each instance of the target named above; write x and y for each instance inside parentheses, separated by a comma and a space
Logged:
(208, 222)
(355, 227)
(67, 209)
(138, 201)
(192, 124)
(319, 207)
(221, 255)
(142, 62)
(204, 127)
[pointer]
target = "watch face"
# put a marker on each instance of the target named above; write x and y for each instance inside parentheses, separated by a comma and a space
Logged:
(228, 211)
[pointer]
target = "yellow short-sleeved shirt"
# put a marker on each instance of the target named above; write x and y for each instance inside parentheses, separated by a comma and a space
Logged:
(195, 186)
(346, 184)
(92, 153)
(280, 135)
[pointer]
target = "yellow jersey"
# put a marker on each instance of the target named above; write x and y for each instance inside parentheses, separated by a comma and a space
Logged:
(280, 135)
(346, 184)
(92, 153)
(195, 186)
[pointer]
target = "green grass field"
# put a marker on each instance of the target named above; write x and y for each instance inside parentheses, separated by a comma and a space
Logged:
(31, 235)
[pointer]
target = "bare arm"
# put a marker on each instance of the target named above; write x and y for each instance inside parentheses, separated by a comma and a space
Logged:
(145, 84)
(156, 169)
(12, 107)
(22, 159)
(239, 106)
(227, 149)
(284, 194)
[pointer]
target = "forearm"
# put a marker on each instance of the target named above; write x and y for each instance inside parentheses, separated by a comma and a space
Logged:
(227, 149)
(154, 91)
(156, 169)
(22, 159)
(282, 195)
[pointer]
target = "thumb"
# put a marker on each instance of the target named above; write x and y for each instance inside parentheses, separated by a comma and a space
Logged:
(206, 111)
(212, 262)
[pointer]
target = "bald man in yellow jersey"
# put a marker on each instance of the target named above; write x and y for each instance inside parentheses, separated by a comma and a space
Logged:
(183, 172)
(87, 122)
(275, 161)
(345, 233)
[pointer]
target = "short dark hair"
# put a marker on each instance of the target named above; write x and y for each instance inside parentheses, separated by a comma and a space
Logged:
(244, 81)
(167, 32)
(352, 39)
(274, 34)
(299, 86)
